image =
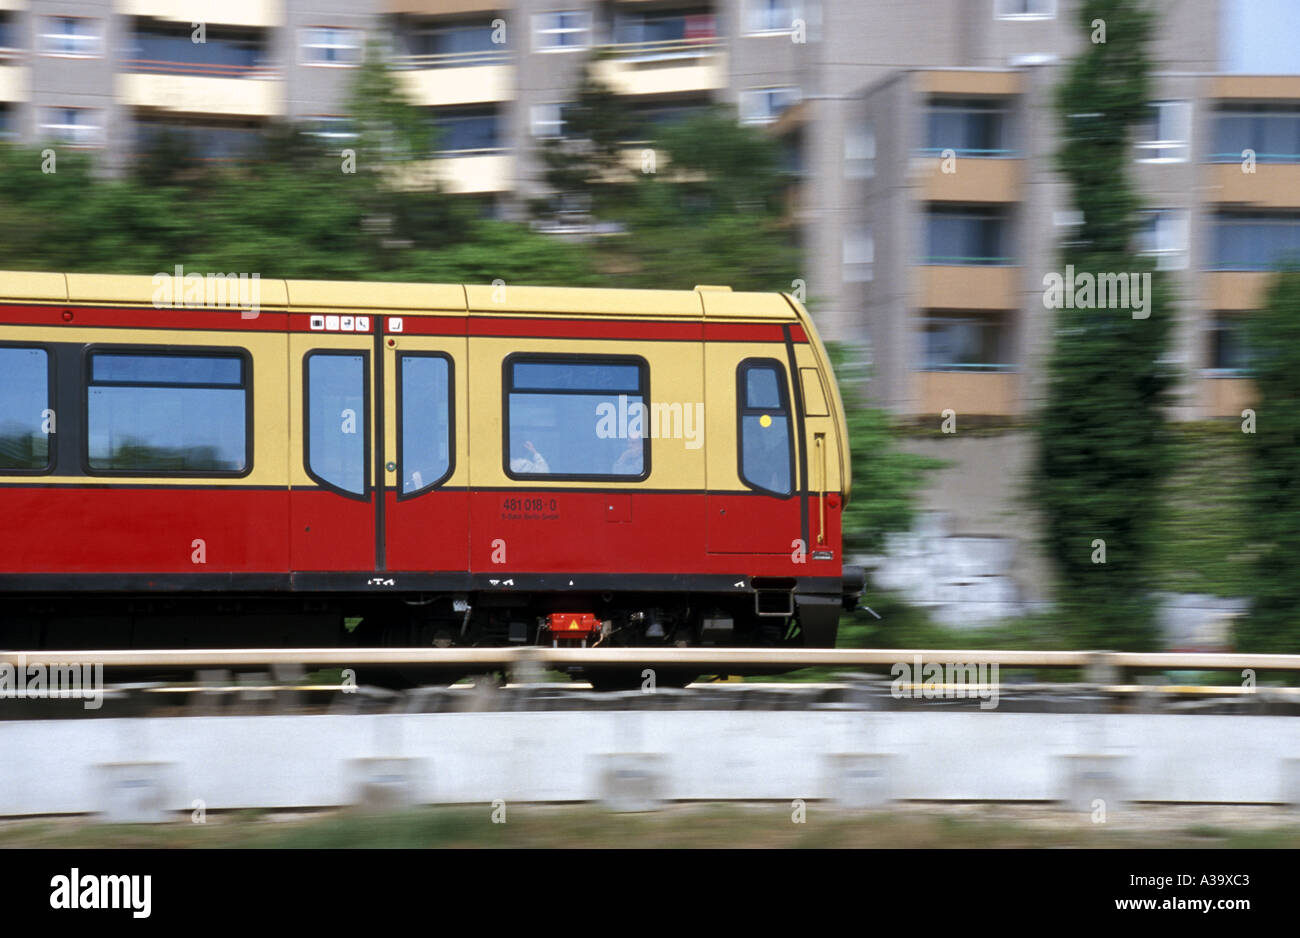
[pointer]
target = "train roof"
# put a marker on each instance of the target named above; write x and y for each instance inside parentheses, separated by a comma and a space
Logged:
(707, 302)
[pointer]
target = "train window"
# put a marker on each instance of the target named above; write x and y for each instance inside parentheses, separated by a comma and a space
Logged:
(153, 412)
(25, 417)
(766, 453)
(337, 439)
(424, 431)
(576, 417)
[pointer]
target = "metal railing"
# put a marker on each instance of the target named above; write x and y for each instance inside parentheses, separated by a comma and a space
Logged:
(708, 659)
(454, 59)
(663, 50)
(208, 69)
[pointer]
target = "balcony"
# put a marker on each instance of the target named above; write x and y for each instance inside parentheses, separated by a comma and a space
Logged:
(264, 13)
(674, 66)
(977, 177)
(1237, 289)
(14, 82)
(1226, 396)
(444, 79)
(164, 70)
(968, 283)
(971, 393)
(464, 172)
(1271, 185)
(202, 93)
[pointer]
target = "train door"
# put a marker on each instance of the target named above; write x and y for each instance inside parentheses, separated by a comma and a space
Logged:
(756, 504)
(332, 411)
(425, 513)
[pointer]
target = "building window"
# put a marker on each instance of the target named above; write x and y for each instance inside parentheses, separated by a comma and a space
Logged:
(664, 28)
(170, 49)
(330, 129)
(461, 130)
(455, 44)
(1163, 235)
(425, 432)
(1163, 137)
(765, 105)
(763, 406)
(968, 127)
(771, 16)
(337, 436)
(576, 417)
(331, 45)
(71, 35)
(1024, 9)
(209, 141)
(859, 255)
(169, 413)
(8, 34)
(73, 126)
(959, 342)
(548, 121)
(1228, 354)
(966, 237)
(1271, 131)
(1254, 242)
(24, 410)
(860, 151)
(562, 31)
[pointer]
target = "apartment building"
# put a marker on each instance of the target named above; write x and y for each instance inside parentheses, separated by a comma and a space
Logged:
(921, 132)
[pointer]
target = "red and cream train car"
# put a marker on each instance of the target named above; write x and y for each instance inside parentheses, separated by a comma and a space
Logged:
(448, 464)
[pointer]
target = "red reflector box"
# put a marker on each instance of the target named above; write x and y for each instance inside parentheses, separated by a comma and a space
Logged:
(573, 624)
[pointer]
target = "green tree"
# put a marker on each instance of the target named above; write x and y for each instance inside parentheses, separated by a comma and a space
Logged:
(711, 211)
(886, 479)
(1273, 337)
(1103, 443)
(584, 170)
(293, 209)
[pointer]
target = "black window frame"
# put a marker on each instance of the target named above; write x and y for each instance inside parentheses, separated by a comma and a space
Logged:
(561, 358)
(451, 424)
(743, 411)
(51, 455)
(367, 486)
(169, 351)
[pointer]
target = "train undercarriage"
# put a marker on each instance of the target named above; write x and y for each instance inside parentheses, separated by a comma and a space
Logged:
(771, 614)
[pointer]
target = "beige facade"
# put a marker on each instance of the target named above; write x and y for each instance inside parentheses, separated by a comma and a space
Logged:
(923, 133)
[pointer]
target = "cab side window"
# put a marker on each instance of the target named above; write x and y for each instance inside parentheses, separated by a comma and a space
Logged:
(763, 408)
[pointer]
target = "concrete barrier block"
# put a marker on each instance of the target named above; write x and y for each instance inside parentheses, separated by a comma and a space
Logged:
(1094, 783)
(630, 782)
(135, 792)
(1290, 771)
(385, 784)
(860, 781)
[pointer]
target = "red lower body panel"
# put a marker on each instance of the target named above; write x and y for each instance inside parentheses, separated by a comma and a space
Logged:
(123, 529)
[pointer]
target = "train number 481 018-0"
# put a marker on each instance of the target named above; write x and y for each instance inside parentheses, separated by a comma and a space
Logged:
(454, 481)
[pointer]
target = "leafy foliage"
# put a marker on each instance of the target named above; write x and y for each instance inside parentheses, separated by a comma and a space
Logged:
(1273, 337)
(1103, 444)
(294, 210)
(886, 479)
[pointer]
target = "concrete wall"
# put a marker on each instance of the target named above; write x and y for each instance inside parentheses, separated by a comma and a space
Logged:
(93, 765)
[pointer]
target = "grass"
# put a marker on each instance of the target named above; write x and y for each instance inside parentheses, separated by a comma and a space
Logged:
(693, 825)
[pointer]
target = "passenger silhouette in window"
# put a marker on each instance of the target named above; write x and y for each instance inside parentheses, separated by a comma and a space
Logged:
(629, 461)
(534, 462)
